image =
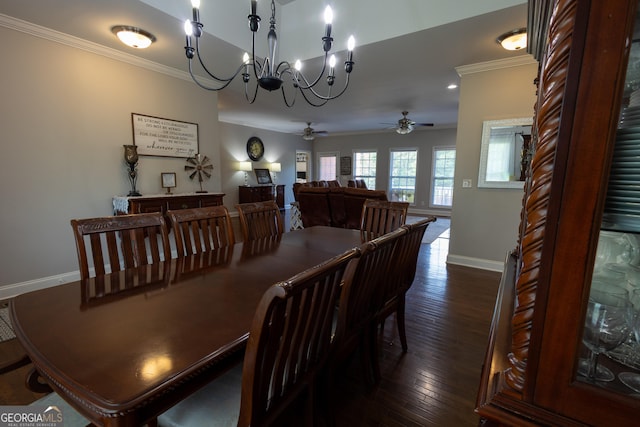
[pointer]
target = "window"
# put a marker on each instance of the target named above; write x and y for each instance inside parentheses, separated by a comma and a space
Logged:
(327, 166)
(403, 175)
(364, 165)
(444, 162)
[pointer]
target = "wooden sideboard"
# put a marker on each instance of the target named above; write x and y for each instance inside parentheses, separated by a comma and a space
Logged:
(164, 202)
(261, 193)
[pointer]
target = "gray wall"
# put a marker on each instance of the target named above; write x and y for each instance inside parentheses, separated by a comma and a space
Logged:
(65, 115)
(484, 221)
(278, 147)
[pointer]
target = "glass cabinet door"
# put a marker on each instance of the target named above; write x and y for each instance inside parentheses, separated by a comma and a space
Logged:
(610, 353)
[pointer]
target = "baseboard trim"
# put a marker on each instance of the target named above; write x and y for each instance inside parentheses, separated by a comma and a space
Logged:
(483, 264)
(433, 212)
(10, 291)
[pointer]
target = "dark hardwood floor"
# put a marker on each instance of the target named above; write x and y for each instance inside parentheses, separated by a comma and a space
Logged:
(448, 315)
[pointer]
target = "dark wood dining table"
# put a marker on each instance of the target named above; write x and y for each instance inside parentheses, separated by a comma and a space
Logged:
(123, 348)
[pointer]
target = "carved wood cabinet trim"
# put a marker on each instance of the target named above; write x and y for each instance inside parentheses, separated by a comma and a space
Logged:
(529, 373)
(551, 91)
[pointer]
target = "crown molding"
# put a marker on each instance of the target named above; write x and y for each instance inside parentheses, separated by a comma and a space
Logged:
(495, 65)
(91, 47)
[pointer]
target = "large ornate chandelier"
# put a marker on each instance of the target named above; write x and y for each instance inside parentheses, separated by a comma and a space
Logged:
(268, 75)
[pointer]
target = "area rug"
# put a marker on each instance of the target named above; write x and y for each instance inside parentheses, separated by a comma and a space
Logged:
(6, 332)
(439, 228)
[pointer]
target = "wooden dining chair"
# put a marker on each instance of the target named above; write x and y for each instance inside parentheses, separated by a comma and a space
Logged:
(357, 309)
(289, 343)
(380, 217)
(116, 243)
(402, 272)
(201, 229)
(259, 220)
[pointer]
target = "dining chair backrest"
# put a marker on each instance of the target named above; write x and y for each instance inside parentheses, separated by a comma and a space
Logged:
(380, 217)
(409, 249)
(391, 293)
(357, 303)
(120, 242)
(290, 340)
(259, 220)
(201, 229)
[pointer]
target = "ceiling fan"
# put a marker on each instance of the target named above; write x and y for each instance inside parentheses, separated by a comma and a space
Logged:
(309, 134)
(406, 125)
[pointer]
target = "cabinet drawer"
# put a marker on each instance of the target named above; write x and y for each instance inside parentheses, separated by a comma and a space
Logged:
(146, 206)
(184, 203)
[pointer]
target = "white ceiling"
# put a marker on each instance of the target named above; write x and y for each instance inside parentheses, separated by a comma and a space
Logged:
(405, 58)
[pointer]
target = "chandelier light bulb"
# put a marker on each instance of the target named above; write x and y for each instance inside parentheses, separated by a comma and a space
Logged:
(195, 3)
(188, 28)
(328, 15)
(245, 58)
(351, 43)
(332, 61)
(298, 65)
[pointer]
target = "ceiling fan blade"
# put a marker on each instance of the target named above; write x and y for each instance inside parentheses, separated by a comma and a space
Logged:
(423, 124)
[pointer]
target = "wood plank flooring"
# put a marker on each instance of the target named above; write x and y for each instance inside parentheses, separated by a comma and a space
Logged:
(448, 315)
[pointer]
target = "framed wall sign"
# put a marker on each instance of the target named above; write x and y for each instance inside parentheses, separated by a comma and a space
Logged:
(155, 136)
(168, 180)
(345, 165)
(263, 176)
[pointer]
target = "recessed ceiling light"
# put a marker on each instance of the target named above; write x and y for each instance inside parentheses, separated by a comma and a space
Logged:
(452, 86)
(133, 36)
(514, 39)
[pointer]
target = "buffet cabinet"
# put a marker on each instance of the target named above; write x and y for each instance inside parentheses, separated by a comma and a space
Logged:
(564, 343)
(261, 193)
(164, 202)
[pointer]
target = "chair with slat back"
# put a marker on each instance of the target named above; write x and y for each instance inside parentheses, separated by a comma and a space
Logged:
(201, 229)
(259, 220)
(391, 294)
(121, 242)
(289, 343)
(380, 217)
(355, 328)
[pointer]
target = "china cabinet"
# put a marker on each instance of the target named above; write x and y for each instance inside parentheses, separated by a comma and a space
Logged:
(580, 231)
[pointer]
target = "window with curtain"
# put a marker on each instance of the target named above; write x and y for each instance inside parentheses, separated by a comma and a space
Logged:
(364, 167)
(402, 178)
(443, 168)
(500, 156)
(327, 166)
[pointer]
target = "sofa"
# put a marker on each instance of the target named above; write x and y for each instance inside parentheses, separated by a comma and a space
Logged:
(334, 206)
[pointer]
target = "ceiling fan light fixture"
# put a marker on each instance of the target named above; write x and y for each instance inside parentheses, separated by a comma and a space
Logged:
(514, 39)
(403, 130)
(308, 137)
(133, 36)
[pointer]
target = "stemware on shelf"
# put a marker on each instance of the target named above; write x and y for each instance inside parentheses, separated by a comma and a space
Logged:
(607, 325)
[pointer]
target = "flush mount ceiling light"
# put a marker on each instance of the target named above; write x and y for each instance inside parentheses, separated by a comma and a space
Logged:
(133, 36)
(514, 39)
(267, 72)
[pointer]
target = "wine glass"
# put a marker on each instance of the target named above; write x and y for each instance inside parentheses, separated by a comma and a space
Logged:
(607, 325)
(632, 379)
